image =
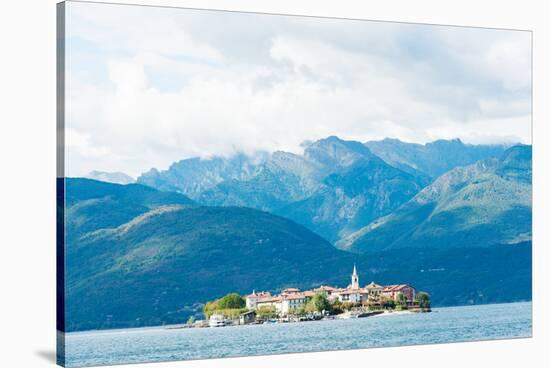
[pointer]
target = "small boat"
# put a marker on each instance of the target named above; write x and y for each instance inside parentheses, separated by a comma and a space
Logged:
(217, 320)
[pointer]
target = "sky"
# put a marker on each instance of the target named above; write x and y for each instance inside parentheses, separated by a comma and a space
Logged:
(146, 87)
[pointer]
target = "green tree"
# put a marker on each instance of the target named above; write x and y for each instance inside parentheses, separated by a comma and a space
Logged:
(347, 306)
(297, 311)
(309, 307)
(210, 307)
(401, 301)
(320, 302)
(230, 306)
(266, 311)
(231, 301)
(423, 299)
(336, 307)
(387, 303)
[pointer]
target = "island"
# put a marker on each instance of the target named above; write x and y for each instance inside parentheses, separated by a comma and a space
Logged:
(321, 303)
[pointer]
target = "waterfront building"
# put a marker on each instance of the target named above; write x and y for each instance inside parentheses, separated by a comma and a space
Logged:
(350, 296)
(374, 292)
(292, 302)
(252, 299)
(247, 317)
(393, 292)
(270, 301)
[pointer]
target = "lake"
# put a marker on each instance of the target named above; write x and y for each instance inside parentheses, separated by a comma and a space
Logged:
(453, 324)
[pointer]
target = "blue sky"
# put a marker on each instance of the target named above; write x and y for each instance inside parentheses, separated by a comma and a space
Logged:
(150, 86)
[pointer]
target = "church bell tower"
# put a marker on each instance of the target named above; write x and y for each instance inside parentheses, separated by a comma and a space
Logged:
(354, 279)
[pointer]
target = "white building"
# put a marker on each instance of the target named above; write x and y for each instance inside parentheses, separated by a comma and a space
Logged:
(350, 296)
(270, 301)
(252, 299)
(292, 302)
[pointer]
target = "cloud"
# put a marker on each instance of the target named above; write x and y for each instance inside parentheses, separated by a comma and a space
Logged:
(147, 86)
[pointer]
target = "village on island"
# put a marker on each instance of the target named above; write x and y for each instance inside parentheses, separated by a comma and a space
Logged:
(324, 302)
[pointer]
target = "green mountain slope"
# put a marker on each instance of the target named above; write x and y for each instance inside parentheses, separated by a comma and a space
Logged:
(149, 268)
(92, 204)
(477, 205)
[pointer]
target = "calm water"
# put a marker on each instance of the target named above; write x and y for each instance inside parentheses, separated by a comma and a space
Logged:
(470, 323)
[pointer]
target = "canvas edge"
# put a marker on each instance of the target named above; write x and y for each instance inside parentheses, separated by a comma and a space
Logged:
(60, 183)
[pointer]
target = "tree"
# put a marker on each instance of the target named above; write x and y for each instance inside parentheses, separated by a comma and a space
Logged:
(347, 306)
(401, 301)
(231, 305)
(309, 307)
(320, 302)
(299, 311)
(336, 307)
(210, 307)
(266, 311)
(231, 301)
(387, 303)
(423, 299)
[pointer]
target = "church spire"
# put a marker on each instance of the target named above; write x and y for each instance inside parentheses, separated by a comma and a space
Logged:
(354, 278)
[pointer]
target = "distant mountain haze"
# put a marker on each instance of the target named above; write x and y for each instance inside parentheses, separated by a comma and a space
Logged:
(335, 188)
(433, 158)
(111, 177)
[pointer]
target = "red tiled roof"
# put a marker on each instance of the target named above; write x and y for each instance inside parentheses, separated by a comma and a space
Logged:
(391, 288)
(327, 288)
(291, 290)
(294, 296)
(373, 285)
(270, 299)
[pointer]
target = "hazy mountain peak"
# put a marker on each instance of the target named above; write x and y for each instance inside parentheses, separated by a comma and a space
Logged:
(433, 158)
(446, 142)
(110, 177)
(335, 152)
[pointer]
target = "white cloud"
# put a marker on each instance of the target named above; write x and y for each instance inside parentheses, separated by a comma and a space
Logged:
(169, 84)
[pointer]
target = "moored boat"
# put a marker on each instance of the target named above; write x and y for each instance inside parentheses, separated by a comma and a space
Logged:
(217, 320)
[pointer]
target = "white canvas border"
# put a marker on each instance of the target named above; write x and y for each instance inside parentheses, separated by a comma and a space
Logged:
(28, 150)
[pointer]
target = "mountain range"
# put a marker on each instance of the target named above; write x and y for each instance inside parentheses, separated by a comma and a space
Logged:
(335, 188)
(151, 252)
(485, 203)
